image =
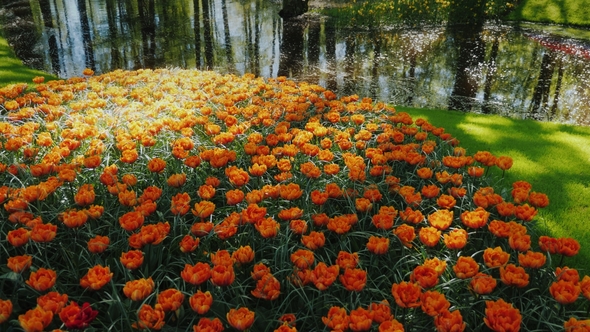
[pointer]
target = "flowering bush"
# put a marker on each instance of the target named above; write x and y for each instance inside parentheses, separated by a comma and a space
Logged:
(175, 200)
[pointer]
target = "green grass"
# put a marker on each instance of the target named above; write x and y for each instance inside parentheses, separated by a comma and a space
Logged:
(570, 12)
(12, 69)
(554, 158)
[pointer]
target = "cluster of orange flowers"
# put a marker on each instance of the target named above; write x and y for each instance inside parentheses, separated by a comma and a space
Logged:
(174, 199)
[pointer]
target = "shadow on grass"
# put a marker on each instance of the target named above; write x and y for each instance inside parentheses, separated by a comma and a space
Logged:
(554, 158)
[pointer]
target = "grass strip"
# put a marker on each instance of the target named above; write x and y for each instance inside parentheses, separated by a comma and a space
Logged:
(12, 69)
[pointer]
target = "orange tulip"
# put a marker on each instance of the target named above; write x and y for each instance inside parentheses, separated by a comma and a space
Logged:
(449, 321)
(259, 270)
(406, 294)
(176, 180)
(302, 259)
(323, 276)
(475, 219)
(203, 209)
(98, 244)
(446, 201)
(574, 325)
(363, 204)
(538, 200)
(20, 264)
(360, 319)
(40, 233)
(314, 240)
(35, 320)
(313, 172)
(339, 224)
(253, 213)
(150, 317)
(201, 302)
(319, 197)
(425, 276)
(206, 192)
(585, 287)
(208, 325)
(475, 171)
(567, 274)
(346, 260)
(437, 264)
(85, 195)
(333, 190)
(456, 239)
(337, 319)
(243, 255)
(5, 310)
(73, 218)
(290, 191)
(465, 267)
(441, 219)
(241, 319)
(170, 299)
(267, 288)
(391, 325)
(151, 193)
(568, 247)
(383, 220)
(495, 257)
(180, 204)
(504, 162)
(434, 303)
(138, 290)
(501, 316)
(424, 173)
(156, 165)
(237, 176)
(513, 275)
(378, 245)
(381, 311)
(354, 280)
(52, 301)
(96, 277)
(42, 279)
(222, 275)
(549, 244)
(189, 244)
(499, 228)
(201, 229)
(196, 274)
(565, 292)
(532, 260)
(268, 227)
(429, 236)
(406, 234)
(525, 212)
(483, 283)
(131, 221)
(132, 259)
(411, 216)
(233, 197)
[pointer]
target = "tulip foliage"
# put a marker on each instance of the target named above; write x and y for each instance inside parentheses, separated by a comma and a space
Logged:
(187, 200)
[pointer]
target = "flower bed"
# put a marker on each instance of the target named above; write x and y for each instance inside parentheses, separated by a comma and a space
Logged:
(178, 200)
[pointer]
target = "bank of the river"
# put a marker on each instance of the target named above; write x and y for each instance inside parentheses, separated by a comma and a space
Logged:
(568, 12)
(12, 69)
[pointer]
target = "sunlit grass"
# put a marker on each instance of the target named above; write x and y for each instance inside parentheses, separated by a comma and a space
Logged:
(553, 157)
(575, 12)
(12, 69)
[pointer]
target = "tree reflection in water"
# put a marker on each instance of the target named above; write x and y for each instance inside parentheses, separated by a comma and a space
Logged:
(517, 71)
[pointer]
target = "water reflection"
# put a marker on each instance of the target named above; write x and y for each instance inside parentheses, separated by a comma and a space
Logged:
(516, 71)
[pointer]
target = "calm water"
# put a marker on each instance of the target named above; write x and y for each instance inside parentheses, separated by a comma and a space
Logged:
(521, 71)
